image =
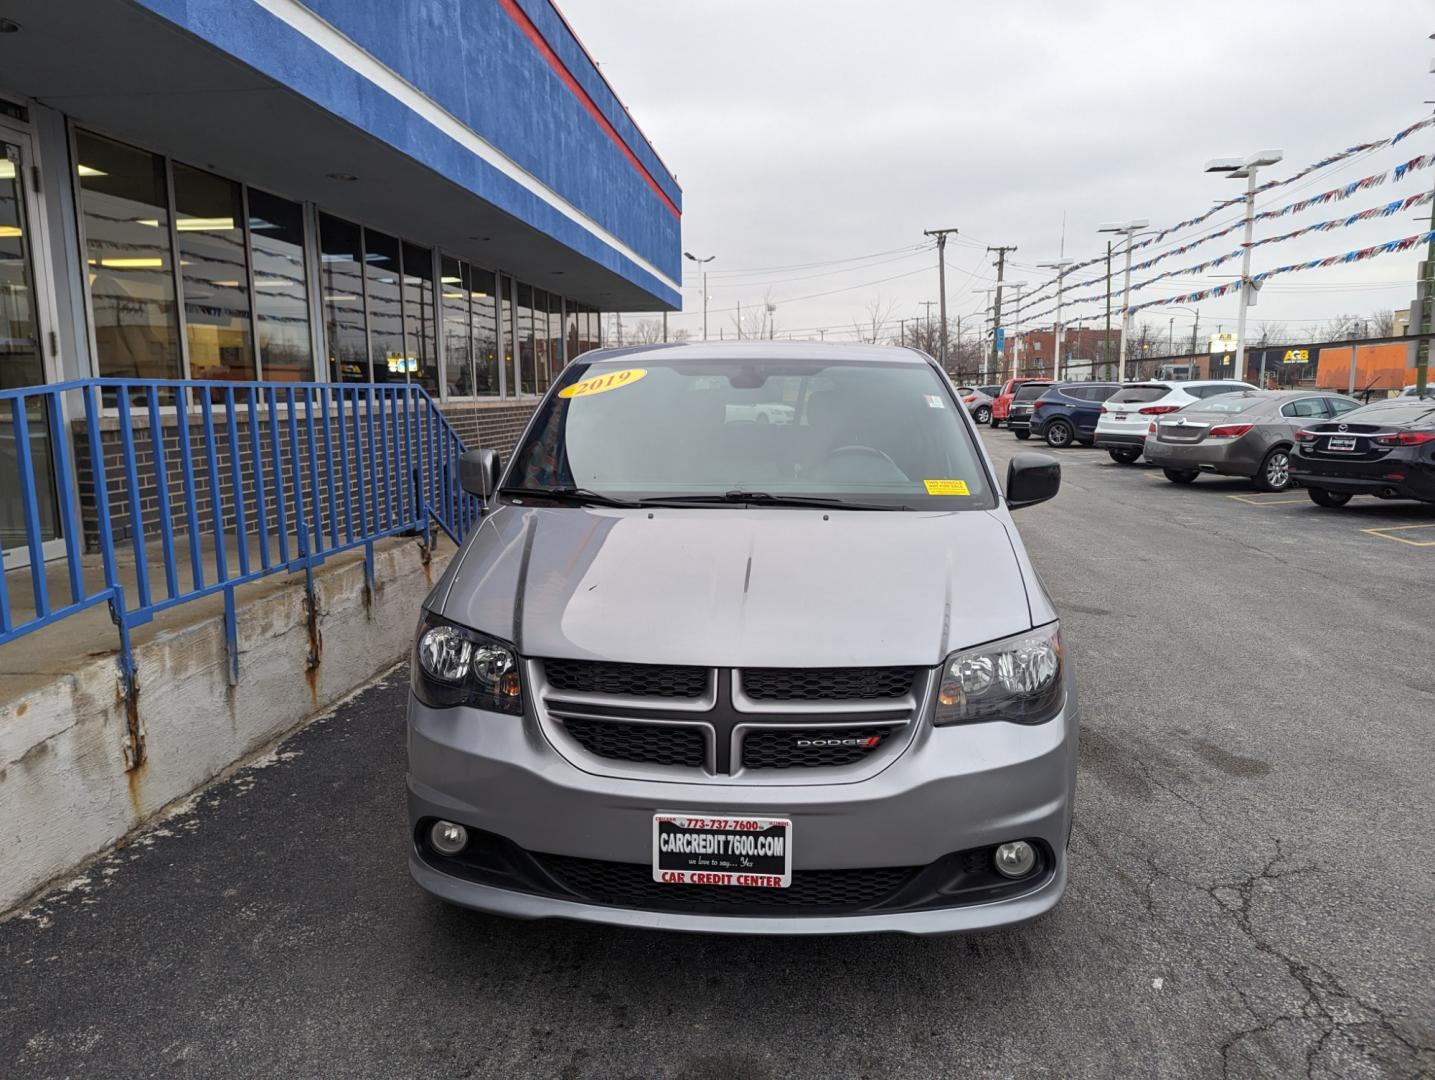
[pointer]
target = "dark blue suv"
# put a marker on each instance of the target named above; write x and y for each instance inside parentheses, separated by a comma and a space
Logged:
(1068, 412)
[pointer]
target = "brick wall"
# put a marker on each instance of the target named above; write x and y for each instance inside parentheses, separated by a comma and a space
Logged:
(484, 424)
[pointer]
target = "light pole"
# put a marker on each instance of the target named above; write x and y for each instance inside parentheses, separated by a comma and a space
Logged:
(1060, 266)
(1020, 287)
(1245, 169)
(703, 263)
(1129, 229)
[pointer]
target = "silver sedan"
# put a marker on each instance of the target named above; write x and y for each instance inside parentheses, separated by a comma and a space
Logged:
(1244, 434)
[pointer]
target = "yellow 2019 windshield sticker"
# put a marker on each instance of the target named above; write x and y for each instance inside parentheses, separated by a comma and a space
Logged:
(946, 487)
(601, 384)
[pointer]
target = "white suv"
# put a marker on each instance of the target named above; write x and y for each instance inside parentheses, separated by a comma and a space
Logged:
(1121, 428)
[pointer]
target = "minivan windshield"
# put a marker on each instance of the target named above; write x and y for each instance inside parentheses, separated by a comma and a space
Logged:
(880, 435)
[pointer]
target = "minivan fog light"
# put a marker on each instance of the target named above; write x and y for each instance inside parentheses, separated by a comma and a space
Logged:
(1015, 859)
(449, 839)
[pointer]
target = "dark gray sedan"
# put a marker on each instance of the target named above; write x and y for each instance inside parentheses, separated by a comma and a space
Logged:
(1243, 434)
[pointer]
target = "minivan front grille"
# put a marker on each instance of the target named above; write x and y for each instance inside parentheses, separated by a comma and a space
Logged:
(644, 744)
(827, 684)
(711, 722)
(627, 680)
(805, 748)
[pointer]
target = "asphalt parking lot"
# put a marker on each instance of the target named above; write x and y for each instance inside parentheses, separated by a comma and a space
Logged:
(1251, 892)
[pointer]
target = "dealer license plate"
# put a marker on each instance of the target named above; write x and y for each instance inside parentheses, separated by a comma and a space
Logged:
(1340, 442)
(699, 849)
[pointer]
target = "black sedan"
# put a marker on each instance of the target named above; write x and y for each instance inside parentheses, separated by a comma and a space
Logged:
(1386, 449)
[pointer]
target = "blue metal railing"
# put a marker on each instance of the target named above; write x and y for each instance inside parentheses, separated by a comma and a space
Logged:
(209, 485)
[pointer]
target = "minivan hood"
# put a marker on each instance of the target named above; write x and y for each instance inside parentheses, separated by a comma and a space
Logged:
(734, 587)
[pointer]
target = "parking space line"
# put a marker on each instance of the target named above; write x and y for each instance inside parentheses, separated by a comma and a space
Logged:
(1259, 499)
(1384, 534)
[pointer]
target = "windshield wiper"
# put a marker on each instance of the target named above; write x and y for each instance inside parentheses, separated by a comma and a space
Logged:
(763, 498)
(577, 495)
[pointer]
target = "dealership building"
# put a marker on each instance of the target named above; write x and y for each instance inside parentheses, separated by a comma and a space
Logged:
(441, 192)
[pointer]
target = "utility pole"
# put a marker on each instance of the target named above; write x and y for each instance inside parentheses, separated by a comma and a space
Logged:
(997, 302)
(903, 332)
(941, 235)
(739, 320)
(665, 327)
(704, 264)
(928, 304)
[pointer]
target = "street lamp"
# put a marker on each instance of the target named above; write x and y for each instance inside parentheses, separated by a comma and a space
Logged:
(1129, 229)
(703, 263)
(1060, 266)
(1019, 287)
(1245, 169)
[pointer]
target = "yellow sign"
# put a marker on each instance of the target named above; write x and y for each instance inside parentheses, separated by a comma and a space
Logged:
(601, 384)
(946, 487)
(1295, 356)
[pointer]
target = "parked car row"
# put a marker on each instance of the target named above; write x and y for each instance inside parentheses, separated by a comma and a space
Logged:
(1326, 442)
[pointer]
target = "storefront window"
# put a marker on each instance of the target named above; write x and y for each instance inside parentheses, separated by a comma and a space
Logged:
(341, 286)
(126, 227)
(384, 273)
(570, 330)
(457, 328)
(485, 331)
(281, 287)
(419, 329)
(510, 335)
(209, 224)
(542, 346)
(523, 305)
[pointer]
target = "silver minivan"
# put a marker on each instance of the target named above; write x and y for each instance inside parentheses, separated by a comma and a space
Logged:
(697, 672)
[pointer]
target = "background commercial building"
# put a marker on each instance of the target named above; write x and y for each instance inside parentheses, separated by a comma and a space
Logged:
(419, 191)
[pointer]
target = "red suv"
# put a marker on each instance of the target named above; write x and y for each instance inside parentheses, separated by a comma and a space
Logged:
(1001, 404)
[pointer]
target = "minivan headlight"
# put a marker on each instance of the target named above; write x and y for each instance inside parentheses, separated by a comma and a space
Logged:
(1016, 679)
(453, 665)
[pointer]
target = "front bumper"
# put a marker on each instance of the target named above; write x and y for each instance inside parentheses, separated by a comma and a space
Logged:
(1228, 458)
(953, 789)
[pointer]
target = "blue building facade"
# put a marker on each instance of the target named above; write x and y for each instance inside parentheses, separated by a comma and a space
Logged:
(446, 192)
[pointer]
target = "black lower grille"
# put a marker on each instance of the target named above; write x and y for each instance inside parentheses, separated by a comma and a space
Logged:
(827, 684)
(807, 749)
(630, 680)
(962, 877)
(652, 744)
(632, 885)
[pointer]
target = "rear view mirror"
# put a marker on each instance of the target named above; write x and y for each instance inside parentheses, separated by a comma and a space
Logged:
(478, 472)
(1031, 479)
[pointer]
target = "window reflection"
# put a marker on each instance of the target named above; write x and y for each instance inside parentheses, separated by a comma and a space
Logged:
(281, 287)
(542, 344)
(341, 285)
(209, 224)
(126, 225)
(422, 366)
(523, 306)
(457, 330)
(383, 272)
(485, 331)
(510, 336)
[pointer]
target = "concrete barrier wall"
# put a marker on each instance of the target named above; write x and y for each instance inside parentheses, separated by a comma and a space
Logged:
(64, 792)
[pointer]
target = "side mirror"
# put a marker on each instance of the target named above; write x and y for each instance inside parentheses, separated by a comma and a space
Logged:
(1031, 479)
(478, 472)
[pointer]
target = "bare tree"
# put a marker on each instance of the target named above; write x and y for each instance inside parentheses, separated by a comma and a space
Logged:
(879, 313)
(1268, 333)
(1381, 322)
(646, 332)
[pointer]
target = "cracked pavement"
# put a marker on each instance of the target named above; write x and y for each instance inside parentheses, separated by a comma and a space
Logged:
(1252, 882)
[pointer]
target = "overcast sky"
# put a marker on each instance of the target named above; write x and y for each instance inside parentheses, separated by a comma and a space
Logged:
(808, 131)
